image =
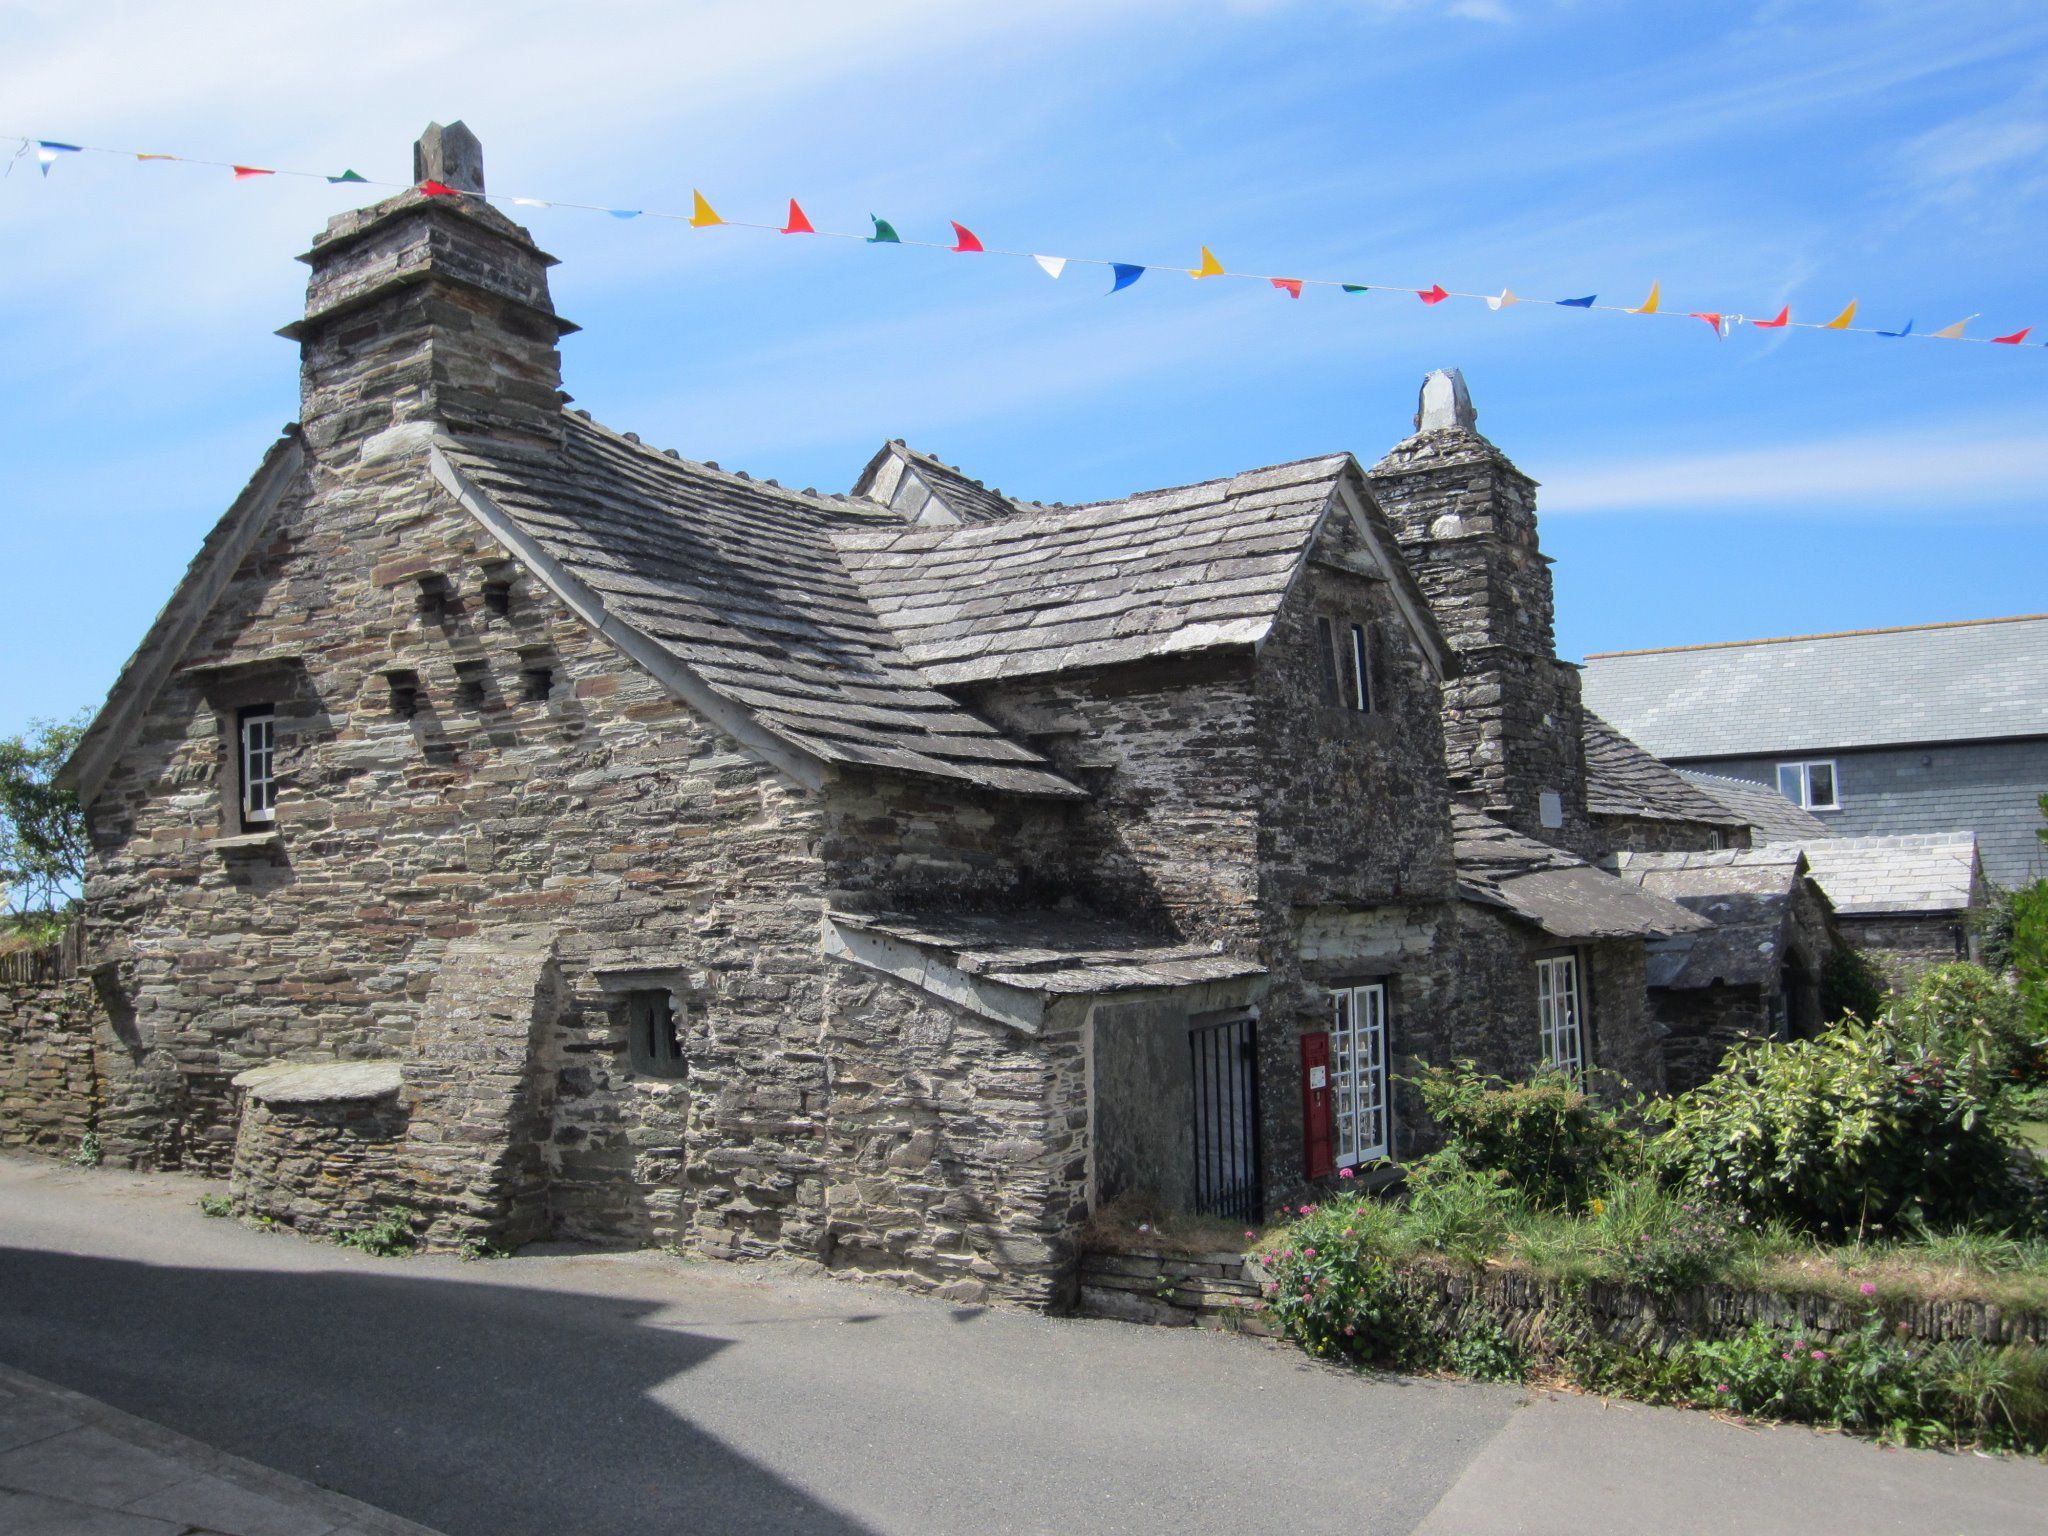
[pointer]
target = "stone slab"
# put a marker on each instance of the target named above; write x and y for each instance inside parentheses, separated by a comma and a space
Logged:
(321, 1082)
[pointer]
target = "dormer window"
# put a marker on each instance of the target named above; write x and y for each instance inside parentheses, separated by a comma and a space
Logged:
(1345, 655)
(257, 763)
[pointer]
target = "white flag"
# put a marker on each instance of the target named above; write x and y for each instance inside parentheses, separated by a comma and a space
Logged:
(1506, 299)
(1054, 265)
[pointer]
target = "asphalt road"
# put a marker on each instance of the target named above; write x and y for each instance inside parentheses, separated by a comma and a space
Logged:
(629, 1394)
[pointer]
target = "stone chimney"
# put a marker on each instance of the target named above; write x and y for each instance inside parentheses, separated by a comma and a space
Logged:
(428, 312)
(1466, 521)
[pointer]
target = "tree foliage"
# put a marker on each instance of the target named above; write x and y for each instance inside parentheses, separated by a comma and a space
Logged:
(42, 830)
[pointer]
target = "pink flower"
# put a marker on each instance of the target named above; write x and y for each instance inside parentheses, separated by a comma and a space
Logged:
(1287, 1253)
(1343, 1173)
(1820, 1354)
(1308, 1253)
(1251, 1236)
(1787, 1355)
(1308, 1210)
(1272, 1287)
(1349, 1330)
(1350, 1232)
(1721, 1386)
(1868, 1287)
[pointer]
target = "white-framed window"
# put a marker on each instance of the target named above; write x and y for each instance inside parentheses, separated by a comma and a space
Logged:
(1560, 1028)
(1811, 785)
(256, 732)
(1362, 1128)
(653, 1035)
(1344, 658)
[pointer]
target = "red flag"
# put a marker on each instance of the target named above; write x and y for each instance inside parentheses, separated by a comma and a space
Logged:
(1784, 319)
(1291, 286)
(1708, 315)
(1433, 294)
(244, 172)
(2016, 337)
(798, 224)
(438, 189)
(963, 237)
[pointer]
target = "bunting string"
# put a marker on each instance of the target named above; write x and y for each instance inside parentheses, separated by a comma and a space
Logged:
(1123, 274)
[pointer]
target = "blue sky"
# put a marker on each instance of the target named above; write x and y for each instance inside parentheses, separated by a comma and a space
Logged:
(1743, 156)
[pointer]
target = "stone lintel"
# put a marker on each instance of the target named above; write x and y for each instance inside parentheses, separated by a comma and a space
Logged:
(321, 1082)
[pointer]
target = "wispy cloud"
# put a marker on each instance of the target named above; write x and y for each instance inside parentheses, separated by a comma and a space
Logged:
(1993, 467)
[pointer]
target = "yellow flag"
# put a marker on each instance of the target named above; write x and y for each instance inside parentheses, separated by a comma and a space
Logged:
(1954, 332)
(1649, 305)
(1841, 321)
(1210, 266)
(704, 215)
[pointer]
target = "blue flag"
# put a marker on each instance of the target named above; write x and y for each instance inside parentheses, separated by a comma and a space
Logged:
(1906, 332)
(1585, 303)
(1126, 274)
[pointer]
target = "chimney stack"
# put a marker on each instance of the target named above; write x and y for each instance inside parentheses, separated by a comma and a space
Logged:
(428, 313)
(1466, 521)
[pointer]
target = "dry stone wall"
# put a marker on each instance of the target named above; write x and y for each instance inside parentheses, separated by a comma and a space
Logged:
(52, 1038)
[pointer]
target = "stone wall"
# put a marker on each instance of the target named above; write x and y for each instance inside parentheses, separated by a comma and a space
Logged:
(53, 1035)
(1701, 1024)
(323, 1169)
(1903, 944)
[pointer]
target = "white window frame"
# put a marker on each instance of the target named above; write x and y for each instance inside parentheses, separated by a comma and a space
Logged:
(1361, 669)
(1361, 1108)
(1801, 777)
(256, 763)
(1561, 1016)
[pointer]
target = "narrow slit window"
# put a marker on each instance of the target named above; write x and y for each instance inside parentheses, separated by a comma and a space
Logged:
(256, 731)
(1361, 670)
(653, 1034)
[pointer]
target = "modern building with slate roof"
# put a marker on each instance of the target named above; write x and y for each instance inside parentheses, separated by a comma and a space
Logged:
(1930, 728)
(614, 846)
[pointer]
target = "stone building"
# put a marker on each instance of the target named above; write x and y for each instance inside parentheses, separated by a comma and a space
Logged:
(512, 822)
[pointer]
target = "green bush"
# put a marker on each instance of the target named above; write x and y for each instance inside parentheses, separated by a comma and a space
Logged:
(1336, 1289)
(1960, 1010)
(1851, 987)
(1660, 1239)
(1862, 1128)
(1554, 1144)
(2030, 953)
(388, 1237)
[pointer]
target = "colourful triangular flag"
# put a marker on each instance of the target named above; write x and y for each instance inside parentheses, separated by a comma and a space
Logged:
(623, 213)
(701, 213)
(141, 156)
(530, 202)
(1507, 300)
(348, 176)
(1127, 273)
(1358, 287)
(1906, 332)
(244, 172)
(798, 224)
(2015, 338)
(1210, 266)
(1053, 265)
(1841, 321)
(1649, 305)
(1953, 332)
(1585, 303)
(1783, 319)
(963, 237)
(47, 150)
(1708, 315)
(432, 188)
(1291, 286)
(1433, 294)
(885, 233)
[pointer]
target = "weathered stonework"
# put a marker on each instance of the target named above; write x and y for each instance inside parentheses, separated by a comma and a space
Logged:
(54, 1034)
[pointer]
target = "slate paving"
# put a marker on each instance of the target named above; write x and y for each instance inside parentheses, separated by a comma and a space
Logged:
(72, 1466)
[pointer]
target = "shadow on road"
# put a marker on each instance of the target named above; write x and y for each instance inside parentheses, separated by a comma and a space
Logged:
(482, 1408)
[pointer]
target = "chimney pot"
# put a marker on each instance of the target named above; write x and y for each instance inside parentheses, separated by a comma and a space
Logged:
(452, 156)
(1445, 404)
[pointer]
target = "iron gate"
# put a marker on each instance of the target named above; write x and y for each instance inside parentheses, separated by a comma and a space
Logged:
(1226, 1120)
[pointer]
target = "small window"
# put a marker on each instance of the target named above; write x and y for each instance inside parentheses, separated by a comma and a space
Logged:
(652, 1037)
(1811, 785)
(1559, 1028)
(1715, 841)
(498, 599)
(257, 734)
(536, 683)
(1326, 656)
(1361, 670)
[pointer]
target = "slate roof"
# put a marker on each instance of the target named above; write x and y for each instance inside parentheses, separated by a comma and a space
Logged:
(1051, 951)
(926, 479)
(1770, 817)
(1972, 681)
(1563, 895)
(1624, 780)
(1044, 591)
(1927, 873)
(1747, 896)
(737, 580)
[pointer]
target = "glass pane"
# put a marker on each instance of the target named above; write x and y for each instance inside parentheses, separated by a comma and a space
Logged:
(1820, 781)
(1790, 783)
